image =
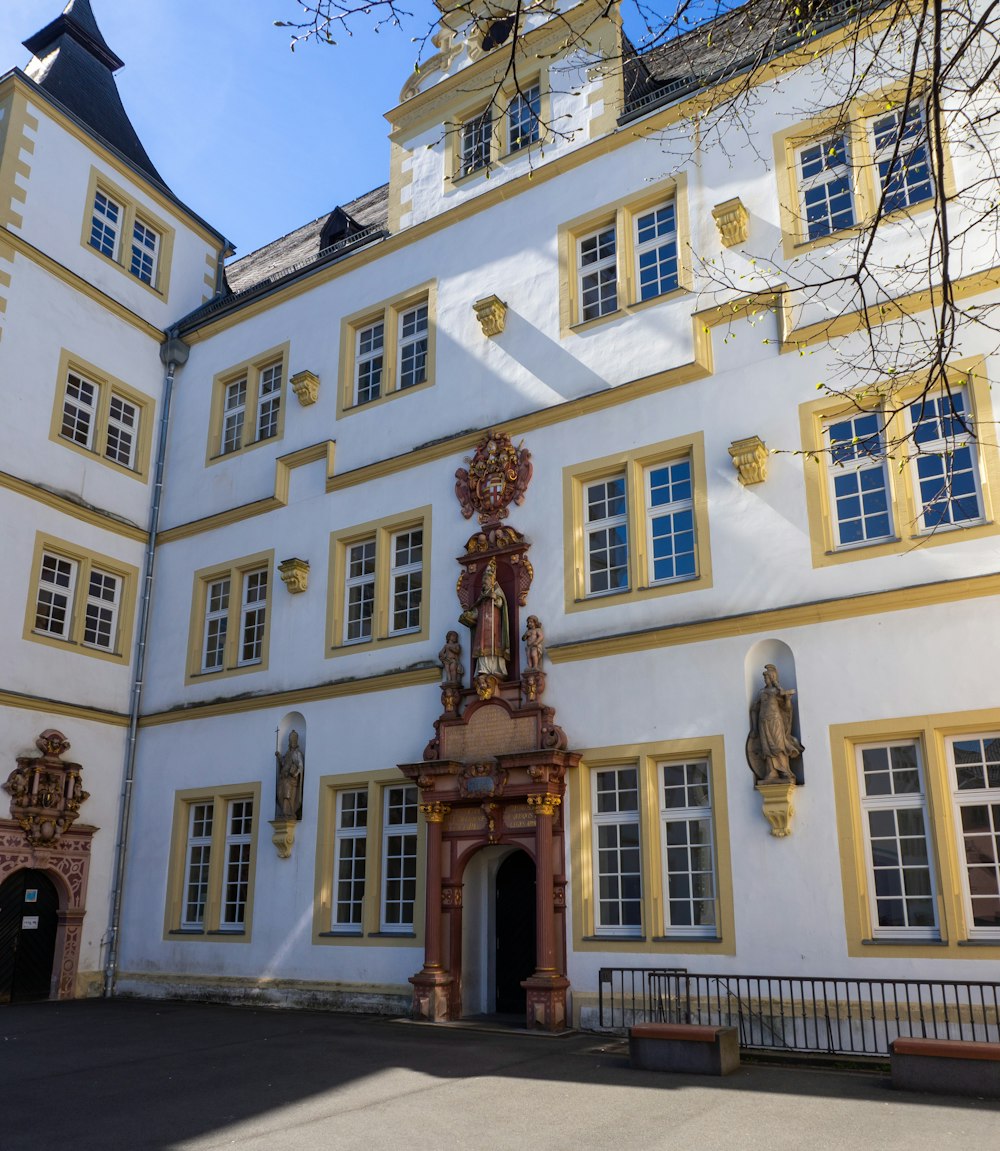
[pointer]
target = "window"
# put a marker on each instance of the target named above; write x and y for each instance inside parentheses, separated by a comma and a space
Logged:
(213, 859)
(918, 815)
(230, 618)
(640, 524)
(98, 415)
(387, 350)
(895, 824)
(378, 577)
(477, 134)
(369, 880)
(247, 407)
(623, 257)
(836, 175)
(825, 186)
(80, 600)
(128, 234)
(947, 475)
(974, 765)
(656, 848)
(884, 473)
(859, 478)
(524, 117)
(899, 149)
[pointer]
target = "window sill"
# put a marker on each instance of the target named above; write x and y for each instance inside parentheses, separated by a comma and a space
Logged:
(678, 940)
(381, 641)
(613, 939)
(861, 545)
(343, 934)
(586, 325)
(160, 294)
(349, 409)
(912, 941)
(236, 453)
(407, 934)
(942, 529)
(995, 942)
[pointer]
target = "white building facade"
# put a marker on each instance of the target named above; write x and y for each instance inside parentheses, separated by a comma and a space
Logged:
(553, 272)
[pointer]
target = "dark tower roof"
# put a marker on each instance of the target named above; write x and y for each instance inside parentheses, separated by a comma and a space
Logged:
(73, 63)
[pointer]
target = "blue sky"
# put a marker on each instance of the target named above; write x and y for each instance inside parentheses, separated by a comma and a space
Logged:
(253, 137)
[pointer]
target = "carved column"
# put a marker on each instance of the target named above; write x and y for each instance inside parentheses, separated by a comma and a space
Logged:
(432, 985)
(546, 1008)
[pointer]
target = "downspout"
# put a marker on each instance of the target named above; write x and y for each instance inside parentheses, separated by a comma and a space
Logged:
(173, 354)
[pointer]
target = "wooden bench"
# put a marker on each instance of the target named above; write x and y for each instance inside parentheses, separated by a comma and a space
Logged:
(946, 1067)
(684, 1047)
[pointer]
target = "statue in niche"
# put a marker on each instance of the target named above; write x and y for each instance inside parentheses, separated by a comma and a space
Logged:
(291, 765)
(770, 744)
(534, 643)
(451, 659)
(490, 625)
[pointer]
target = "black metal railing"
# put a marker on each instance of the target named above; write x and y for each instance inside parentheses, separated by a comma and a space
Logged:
(819, 1014)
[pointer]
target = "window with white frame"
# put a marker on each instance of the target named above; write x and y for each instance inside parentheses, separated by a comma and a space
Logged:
(123, 432)
(858, 477)
(606, 535)
(369, 359)
(974, 762)
(412, 367)
(197, 865)
(406, 580)
(230, 618)
(901, 879)
(79, 409)
(688, 850)
(94, 622)
(105, 225)
(616, 848)
(96, 414)
(476, 141)
(826, 192)
(670, 522)
(210, 890)
(945, 464)
(524, 118)
(253, 616)
(359, 591)
(656, 250)
(269, 400)
(399, 858)
(145, 252)
(236, 883)
(899, 150)
(597, 270)
(350, 852)
(234, 410)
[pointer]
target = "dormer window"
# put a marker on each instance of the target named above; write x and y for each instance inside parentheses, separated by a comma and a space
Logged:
(497, 33)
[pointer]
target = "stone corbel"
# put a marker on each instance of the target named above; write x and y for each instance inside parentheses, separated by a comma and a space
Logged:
(491, 312)
(733, 221)
(750, 459)
(294, 574)
(777, 807)
(305, 385)
(284, 836)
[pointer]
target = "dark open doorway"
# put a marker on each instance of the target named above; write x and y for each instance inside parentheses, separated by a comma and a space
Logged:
(29, 913)
(515, 931)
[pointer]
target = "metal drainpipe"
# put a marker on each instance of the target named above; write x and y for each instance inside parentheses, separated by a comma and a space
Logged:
(173, 353)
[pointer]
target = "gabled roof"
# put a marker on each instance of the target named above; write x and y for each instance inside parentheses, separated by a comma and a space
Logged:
(72, 62)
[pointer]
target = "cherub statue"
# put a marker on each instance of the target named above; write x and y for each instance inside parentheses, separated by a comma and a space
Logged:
(451, 659)
(534, 643)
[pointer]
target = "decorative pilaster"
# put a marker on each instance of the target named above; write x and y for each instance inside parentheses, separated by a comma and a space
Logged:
(432, 984)
(546, 988)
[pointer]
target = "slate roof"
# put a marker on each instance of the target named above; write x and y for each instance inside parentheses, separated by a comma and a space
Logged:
(72, 63)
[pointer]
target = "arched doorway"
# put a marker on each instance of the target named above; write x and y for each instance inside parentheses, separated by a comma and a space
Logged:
(29, 915)
(515, 923)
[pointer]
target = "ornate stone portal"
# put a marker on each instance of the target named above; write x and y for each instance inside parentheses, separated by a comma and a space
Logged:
(495, 770)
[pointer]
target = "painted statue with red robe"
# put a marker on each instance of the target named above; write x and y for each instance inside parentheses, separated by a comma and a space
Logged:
(490, 626)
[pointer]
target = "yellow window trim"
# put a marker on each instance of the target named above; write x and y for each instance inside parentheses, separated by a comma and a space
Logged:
(85, 559)
(235, 570)
(646, 757)
(852, 119)
(177, 880)
(969, 373)
(622, 214)
(930, 732)
(370, 935)
(382, 531)
(108, 386)
(633, 465)
(132, 210)
(252, 369)
(388, 311)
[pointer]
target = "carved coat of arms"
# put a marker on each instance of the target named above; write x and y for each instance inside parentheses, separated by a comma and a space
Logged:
(498, 476)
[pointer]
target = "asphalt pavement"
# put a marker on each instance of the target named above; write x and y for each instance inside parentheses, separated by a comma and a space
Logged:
(130, 1075)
